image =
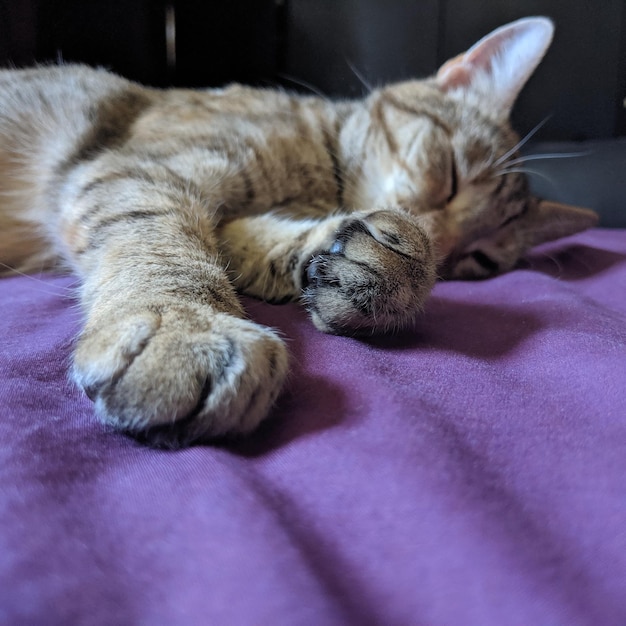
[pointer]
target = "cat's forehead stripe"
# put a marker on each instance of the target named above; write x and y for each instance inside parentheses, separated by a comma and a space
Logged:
(378, 118)
(423, 111)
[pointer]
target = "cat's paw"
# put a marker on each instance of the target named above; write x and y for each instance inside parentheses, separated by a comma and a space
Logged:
(375, 275)
(176, 375)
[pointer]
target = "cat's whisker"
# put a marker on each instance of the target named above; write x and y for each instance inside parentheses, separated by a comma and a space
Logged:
(524, 170)
(303, 83)
(521, 142)
(360, 76)
(550, 155)
(550, 257)
(51, 290)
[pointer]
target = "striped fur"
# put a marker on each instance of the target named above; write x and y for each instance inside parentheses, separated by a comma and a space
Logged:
(167, 202)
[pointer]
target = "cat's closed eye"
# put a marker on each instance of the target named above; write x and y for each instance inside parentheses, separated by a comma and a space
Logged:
(454, 182)
(472, 265)
(485, 261)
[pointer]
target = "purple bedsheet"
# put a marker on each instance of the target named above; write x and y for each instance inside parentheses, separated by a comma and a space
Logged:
(470, 472)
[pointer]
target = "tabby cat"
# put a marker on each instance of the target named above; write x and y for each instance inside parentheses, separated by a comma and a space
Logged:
(167, 202)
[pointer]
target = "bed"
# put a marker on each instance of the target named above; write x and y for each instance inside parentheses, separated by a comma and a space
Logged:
(471, 470)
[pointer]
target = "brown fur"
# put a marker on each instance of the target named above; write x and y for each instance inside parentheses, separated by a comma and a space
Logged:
(166, 201)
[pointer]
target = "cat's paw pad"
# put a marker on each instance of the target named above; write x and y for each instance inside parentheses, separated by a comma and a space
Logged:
(180, 374)
(374, 276)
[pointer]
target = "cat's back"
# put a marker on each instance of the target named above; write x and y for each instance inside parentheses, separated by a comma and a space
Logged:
(45, 112)
(63, 93)
(48, 76)
(234, 111)
(54, 103)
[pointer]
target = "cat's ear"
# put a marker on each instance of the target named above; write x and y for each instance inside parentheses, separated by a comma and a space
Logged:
(546, 220)
(495, 69)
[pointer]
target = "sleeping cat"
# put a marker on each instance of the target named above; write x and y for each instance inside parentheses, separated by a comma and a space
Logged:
(167, 202)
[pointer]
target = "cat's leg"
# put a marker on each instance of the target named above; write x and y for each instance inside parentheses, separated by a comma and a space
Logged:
(363, 272)
(165, 352)
(267, 255)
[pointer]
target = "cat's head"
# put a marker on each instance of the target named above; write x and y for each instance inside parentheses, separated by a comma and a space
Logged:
(443, 148)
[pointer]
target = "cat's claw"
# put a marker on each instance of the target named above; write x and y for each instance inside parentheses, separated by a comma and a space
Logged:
(375, 275)
(181, 374)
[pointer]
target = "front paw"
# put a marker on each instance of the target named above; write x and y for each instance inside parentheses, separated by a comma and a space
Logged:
(177, 375)
(375, 275)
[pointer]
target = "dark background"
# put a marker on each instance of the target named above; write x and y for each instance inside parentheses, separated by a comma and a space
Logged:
(326, 45)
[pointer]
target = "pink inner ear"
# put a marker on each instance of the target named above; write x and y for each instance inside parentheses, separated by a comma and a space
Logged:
(454, 74)
(481, 54)
(458, 72)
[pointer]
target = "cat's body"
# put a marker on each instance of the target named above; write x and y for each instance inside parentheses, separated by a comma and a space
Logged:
(164, 202)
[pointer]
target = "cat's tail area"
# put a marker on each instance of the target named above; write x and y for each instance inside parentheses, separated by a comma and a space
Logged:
(24, 246)
(36, 133)
(47, 116)
(24, 250)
